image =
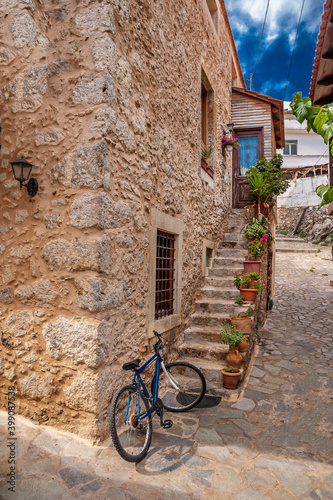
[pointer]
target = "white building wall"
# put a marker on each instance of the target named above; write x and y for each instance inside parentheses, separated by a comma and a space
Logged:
(302, 194)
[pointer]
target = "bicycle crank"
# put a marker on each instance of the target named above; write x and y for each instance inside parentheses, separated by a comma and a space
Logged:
(159, 408)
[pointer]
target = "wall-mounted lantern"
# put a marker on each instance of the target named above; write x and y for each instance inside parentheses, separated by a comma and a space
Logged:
(22, 170)
(230, 127)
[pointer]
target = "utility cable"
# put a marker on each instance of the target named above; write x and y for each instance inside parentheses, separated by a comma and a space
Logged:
(262, 33)
(292, 55)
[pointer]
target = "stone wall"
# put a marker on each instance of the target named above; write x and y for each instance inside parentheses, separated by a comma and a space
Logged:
(104, 98)
(312, 219)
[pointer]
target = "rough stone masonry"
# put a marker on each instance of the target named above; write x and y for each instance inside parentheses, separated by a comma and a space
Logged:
(104, 99)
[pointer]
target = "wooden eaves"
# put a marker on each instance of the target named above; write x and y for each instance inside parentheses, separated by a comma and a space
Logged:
(277, 113)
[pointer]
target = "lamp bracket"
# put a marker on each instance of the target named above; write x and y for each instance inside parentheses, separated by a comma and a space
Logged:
(32, 186)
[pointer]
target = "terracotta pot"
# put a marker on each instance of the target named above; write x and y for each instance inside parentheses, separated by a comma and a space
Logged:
(242, 346)
(252, 266)
(230, 380)
(234, 358)
(242, 324)
(249, 294)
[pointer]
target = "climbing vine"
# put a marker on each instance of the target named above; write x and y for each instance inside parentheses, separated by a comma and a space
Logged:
(320, 120)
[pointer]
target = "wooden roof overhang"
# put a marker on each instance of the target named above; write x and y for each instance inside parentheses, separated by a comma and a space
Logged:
(321, 87)
(276, 110)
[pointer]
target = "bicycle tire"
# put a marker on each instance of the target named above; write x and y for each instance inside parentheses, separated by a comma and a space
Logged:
(131, 442)
(192, 382)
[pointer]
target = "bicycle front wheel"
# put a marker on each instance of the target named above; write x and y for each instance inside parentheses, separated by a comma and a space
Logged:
(183, 388)
(130, 437)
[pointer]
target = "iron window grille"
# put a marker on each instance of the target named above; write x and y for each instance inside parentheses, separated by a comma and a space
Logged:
(165, 274)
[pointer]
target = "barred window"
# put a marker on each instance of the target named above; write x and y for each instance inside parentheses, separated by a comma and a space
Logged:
(165, 274)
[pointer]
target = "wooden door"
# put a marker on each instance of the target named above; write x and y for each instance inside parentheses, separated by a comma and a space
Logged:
(251, 147)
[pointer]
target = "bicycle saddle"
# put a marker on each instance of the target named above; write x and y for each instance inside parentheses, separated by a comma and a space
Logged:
(132, 365)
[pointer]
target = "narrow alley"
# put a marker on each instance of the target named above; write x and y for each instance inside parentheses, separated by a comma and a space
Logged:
(275, 443)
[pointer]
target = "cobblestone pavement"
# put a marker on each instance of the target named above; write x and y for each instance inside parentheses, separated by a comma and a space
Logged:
(275, 443)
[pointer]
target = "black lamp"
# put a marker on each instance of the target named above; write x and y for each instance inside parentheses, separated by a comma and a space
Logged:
(230, 127)
(22, 170)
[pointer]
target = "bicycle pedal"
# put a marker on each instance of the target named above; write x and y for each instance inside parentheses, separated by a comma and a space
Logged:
(167, 424)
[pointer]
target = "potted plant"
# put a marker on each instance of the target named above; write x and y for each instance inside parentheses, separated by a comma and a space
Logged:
(244, 344)
(266, 182)
(243, 283)
(240, 305)
(206, 152)
(231, 377)
(229, 143)
(232, 337)
(243, 321)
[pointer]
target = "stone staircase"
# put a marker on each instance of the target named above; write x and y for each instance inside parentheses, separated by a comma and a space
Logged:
(294, 244)
(202, 345)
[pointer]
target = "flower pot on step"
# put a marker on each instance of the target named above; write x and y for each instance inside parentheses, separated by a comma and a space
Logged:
(240, 309)
(249, 294)
(242, 347)
(234, 358)
(230, 380)
(242, 324)
(252, 266)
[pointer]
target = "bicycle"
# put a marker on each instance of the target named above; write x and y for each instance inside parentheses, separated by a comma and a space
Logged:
(132, 407)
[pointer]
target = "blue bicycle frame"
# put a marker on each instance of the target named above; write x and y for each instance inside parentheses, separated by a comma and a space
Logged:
(137, 381)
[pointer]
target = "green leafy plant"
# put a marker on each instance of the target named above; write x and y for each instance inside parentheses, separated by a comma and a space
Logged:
(239, 300)
(301, 234)
(206, 152)
(242, 281)
(325, 192)
(257, 227)
(256, 247)
(266, 180)
(231, 369)
(320, 120)
(282, 231)
(231, 336)
(249, 312)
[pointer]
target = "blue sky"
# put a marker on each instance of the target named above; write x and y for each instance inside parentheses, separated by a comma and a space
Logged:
(246, 19)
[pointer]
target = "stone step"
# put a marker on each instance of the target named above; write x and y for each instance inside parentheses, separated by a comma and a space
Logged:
(230, 252)
(221, 272)
(227, 261)
(296, 250)
(204, 350)
(234, 238)
(220, 306)
(199, 334)
(219, 292)
(209, 319)
(217, 282)
(213, 375)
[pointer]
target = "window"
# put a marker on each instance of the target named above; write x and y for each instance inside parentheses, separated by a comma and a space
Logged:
(207, 129)
(204, 114)
(214, 13)
(290, 148)
(165, 274)
(248, 153)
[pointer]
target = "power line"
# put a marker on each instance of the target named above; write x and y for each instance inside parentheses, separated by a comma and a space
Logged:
(262, 33)
(292, 55)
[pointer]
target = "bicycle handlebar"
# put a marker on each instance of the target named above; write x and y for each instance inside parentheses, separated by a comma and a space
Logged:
(158, 335)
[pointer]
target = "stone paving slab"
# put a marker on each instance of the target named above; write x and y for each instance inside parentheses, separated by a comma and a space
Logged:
(275, 443)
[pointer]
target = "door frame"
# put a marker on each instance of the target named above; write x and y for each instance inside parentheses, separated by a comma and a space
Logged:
(239, 182)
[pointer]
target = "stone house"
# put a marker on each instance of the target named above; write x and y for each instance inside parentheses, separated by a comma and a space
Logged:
(110, 101)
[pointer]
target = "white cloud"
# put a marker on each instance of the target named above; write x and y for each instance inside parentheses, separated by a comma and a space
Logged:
(282, 17)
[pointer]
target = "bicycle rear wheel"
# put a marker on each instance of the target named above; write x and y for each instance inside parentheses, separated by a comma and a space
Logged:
(186, 388)
(130, 437)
